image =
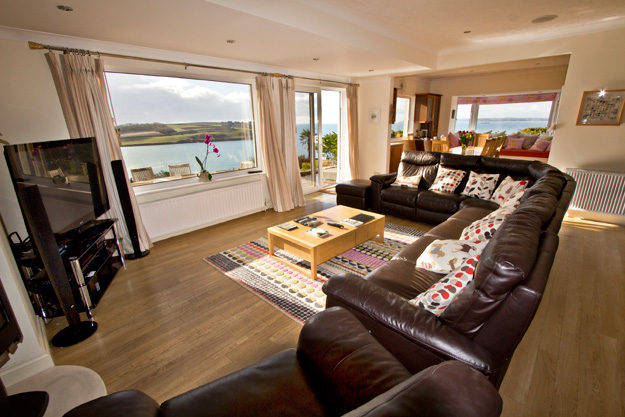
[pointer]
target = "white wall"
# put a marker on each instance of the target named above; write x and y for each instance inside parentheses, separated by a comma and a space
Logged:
(374, 137)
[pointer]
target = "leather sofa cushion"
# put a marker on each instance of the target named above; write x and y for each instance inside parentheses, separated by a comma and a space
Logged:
(401, 277)
(440, 202)
(424, 163)
(478, 202)
(347, 366)
(430, 394)
(356, 188)
(266, 388)
(506, 261)
(551, 183)
(400, 196)
(516, 168)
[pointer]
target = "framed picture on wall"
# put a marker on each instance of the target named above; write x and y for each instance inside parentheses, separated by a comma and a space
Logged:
(601, 108)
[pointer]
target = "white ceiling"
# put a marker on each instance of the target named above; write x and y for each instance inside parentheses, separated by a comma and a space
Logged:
(350, 37)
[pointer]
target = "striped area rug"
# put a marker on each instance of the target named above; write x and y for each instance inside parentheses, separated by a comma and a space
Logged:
(293, 293)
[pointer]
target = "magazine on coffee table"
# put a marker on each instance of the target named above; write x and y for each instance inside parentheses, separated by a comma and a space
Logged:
(317, 231)
(357, 220)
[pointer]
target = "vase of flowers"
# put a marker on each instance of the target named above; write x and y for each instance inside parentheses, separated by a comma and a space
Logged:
(466, 138)
(204, 175)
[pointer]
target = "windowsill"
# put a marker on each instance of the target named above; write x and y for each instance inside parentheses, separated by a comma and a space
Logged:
(172, 188)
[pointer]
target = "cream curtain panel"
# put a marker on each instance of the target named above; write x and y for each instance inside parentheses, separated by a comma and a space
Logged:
(352, 130)
(81, 87)
(278, 127)
(289, 144)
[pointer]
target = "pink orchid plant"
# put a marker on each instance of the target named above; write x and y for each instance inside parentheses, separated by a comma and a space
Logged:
(210, 148)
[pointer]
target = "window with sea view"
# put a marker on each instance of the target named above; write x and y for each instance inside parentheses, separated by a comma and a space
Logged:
(163, 121)
(510, 113)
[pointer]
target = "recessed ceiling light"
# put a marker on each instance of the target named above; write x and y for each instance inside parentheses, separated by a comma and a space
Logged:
(545, 18)
(65, 8)
(315, 59)
(231, 41)
(371, 70)
(467, 31)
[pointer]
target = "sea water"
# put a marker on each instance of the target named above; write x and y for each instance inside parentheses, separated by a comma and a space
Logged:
(510, 126)
(232, 153)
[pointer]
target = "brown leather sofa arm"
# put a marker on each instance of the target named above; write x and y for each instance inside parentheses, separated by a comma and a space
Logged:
(124, 403)
(430, 394)
(418, 330)
(384, 179)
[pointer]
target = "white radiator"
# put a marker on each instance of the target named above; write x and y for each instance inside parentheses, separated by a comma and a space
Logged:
(174, 216)
(599, 191)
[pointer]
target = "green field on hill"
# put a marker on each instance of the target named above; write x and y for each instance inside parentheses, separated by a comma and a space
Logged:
(138, 134)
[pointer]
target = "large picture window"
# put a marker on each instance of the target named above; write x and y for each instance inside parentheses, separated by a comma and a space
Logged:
(163, 122)
(511, 113)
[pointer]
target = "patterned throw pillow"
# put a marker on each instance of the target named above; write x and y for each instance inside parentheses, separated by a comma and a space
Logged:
(440, 295)
(514, 143)
(480, 231)
(447, 180)
(508, 188)
(407, 182)
(515, 200)
(481, 185)
(540, 145)
(443, 256)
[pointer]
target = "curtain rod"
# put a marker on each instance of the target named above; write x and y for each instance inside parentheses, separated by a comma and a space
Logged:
(34, 45)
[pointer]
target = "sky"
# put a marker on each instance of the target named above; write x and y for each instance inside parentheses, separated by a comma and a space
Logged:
(148, 99)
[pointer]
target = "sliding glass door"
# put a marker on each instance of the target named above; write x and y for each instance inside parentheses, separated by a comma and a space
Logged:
(318, 119)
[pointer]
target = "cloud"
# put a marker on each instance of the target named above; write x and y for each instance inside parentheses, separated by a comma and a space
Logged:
(146, 99)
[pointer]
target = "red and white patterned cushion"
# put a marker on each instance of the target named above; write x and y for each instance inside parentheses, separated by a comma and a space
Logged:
(508, 188)
(515, 200)
(409, 182)
(480, 231)
(447, 180)
(444, 255)
(440, 295)
(480, 185)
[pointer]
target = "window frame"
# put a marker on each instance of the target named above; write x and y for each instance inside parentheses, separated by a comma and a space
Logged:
(409, 117)
(167, 182)
(475, 107)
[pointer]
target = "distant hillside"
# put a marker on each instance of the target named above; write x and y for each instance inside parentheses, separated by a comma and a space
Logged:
(138, 134)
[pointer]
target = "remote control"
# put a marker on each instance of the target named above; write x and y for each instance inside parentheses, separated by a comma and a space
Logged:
(340, 226)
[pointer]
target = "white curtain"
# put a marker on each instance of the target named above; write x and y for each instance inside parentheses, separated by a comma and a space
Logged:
(352, 130)
(282, 182)
(81, 86)
(289, 134)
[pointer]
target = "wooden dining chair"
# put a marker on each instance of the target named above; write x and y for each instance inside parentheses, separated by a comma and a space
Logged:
(179, 170)
(500, 142)
(142, 174)
(480, 139)
(440, 146)
(490, 147)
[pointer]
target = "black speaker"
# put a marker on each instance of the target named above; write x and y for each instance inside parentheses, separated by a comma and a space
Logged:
(129, 216)
(48, 250)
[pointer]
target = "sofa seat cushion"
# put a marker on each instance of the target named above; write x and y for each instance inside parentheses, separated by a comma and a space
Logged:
(400, 276)
(401, 196)
(439, 201)
(478, 202)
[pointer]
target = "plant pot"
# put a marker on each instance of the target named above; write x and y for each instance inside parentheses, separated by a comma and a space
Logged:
(203, 177)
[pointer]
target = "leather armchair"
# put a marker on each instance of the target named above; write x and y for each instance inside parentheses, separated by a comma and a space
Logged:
(337, 369)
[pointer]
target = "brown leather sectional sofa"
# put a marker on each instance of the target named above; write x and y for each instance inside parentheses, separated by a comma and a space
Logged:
(485, 323)
(337, 369)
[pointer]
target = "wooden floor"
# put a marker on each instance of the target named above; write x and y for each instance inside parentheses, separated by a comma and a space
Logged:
(171, 322)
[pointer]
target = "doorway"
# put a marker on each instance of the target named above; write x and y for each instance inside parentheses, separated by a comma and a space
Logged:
(318, 120)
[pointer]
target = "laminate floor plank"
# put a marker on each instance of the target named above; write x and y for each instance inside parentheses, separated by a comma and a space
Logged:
(170, 322)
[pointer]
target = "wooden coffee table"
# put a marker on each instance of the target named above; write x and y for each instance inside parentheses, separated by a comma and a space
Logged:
(317, 250)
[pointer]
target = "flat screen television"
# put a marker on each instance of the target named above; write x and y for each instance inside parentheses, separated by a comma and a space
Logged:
(68, 174)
